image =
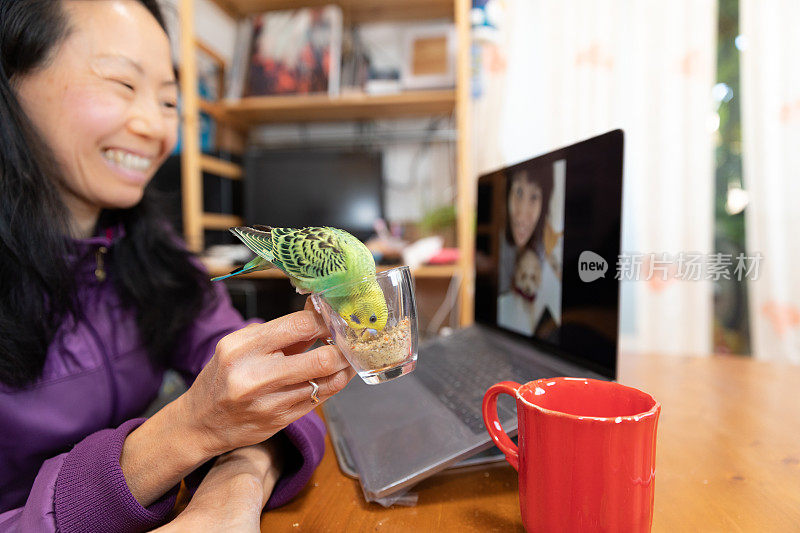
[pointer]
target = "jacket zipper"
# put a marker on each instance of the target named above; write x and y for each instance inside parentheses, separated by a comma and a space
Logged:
(112, 384)
(99, 271)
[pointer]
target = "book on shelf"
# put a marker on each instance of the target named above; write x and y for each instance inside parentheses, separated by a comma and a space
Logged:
(288, 52)
(235, 74)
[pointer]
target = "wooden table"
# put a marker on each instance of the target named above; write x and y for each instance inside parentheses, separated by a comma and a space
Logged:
(728, 459)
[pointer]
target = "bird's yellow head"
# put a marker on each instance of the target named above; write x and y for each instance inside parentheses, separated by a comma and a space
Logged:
(366, 311)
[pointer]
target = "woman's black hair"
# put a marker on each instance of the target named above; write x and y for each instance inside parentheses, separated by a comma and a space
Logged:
(542, 177)
(152, 273)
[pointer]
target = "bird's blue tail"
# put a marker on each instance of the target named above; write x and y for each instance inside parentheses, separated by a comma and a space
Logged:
(226, 276)
(256, 264)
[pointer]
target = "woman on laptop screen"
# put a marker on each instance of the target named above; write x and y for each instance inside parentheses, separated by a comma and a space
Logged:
(531, 250)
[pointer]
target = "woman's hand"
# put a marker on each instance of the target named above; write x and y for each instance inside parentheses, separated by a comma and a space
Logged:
(234, 492)
(257, 381)
(254, 386)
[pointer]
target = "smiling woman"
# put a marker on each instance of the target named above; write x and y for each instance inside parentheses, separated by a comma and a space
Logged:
(89, 131)
(106, 107)
(98, 297)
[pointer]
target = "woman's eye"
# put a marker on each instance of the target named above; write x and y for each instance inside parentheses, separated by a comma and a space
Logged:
(125, 84)
(170, 105)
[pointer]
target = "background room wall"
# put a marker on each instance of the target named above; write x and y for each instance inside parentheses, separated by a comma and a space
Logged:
(558, 72)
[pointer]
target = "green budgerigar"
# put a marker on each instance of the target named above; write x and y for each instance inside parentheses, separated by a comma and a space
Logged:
(317, 259)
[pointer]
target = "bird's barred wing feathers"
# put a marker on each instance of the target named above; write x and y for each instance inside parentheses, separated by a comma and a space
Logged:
(306, 254)
(310, 253)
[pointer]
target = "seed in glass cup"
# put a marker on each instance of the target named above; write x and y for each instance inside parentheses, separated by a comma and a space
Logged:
(388, 348)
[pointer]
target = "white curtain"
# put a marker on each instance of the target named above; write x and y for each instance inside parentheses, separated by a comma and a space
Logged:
(571, 69)
(770, 67)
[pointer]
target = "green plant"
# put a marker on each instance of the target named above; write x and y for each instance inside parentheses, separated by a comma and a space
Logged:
(438, 219)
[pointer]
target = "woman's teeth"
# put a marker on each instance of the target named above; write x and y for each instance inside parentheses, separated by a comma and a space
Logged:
(128, 160)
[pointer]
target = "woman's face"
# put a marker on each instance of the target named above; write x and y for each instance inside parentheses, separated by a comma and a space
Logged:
(524, 209)
(105, 103)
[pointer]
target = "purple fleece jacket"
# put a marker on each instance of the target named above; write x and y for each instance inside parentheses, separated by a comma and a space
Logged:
(61, 438)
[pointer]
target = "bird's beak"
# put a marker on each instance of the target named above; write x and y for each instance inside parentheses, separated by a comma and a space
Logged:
(372, 332)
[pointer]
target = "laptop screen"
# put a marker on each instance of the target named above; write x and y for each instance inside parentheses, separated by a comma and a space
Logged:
(547, 242)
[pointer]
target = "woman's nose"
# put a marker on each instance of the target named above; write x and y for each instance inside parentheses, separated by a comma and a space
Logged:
(528, 211)
(147, 120)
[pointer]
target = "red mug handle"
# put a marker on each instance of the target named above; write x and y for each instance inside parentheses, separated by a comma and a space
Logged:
(493, 425)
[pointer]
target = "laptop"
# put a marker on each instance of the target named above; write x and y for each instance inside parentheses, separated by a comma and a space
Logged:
(546, 305)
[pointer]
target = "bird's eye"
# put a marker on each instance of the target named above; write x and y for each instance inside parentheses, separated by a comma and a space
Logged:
(373, 319)
(355, 319)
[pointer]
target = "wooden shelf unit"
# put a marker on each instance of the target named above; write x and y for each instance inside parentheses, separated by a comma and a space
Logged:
(235, 118)
(219, 167)
(355, 11)
(319, 107)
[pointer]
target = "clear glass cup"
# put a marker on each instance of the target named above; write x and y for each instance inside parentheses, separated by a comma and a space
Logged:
(377, 356)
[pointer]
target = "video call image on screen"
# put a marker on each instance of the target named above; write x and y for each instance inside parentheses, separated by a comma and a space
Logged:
(535, 219)
(531, 250)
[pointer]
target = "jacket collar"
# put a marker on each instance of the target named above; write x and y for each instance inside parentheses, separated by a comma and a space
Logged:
(105, 237)
(89, 255)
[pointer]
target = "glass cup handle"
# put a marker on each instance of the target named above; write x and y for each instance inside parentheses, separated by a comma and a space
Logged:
(492, 422)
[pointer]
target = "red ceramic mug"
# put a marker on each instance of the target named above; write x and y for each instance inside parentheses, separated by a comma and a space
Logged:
(586, 456)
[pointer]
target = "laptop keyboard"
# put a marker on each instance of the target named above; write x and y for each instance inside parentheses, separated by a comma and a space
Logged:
(459, 369)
